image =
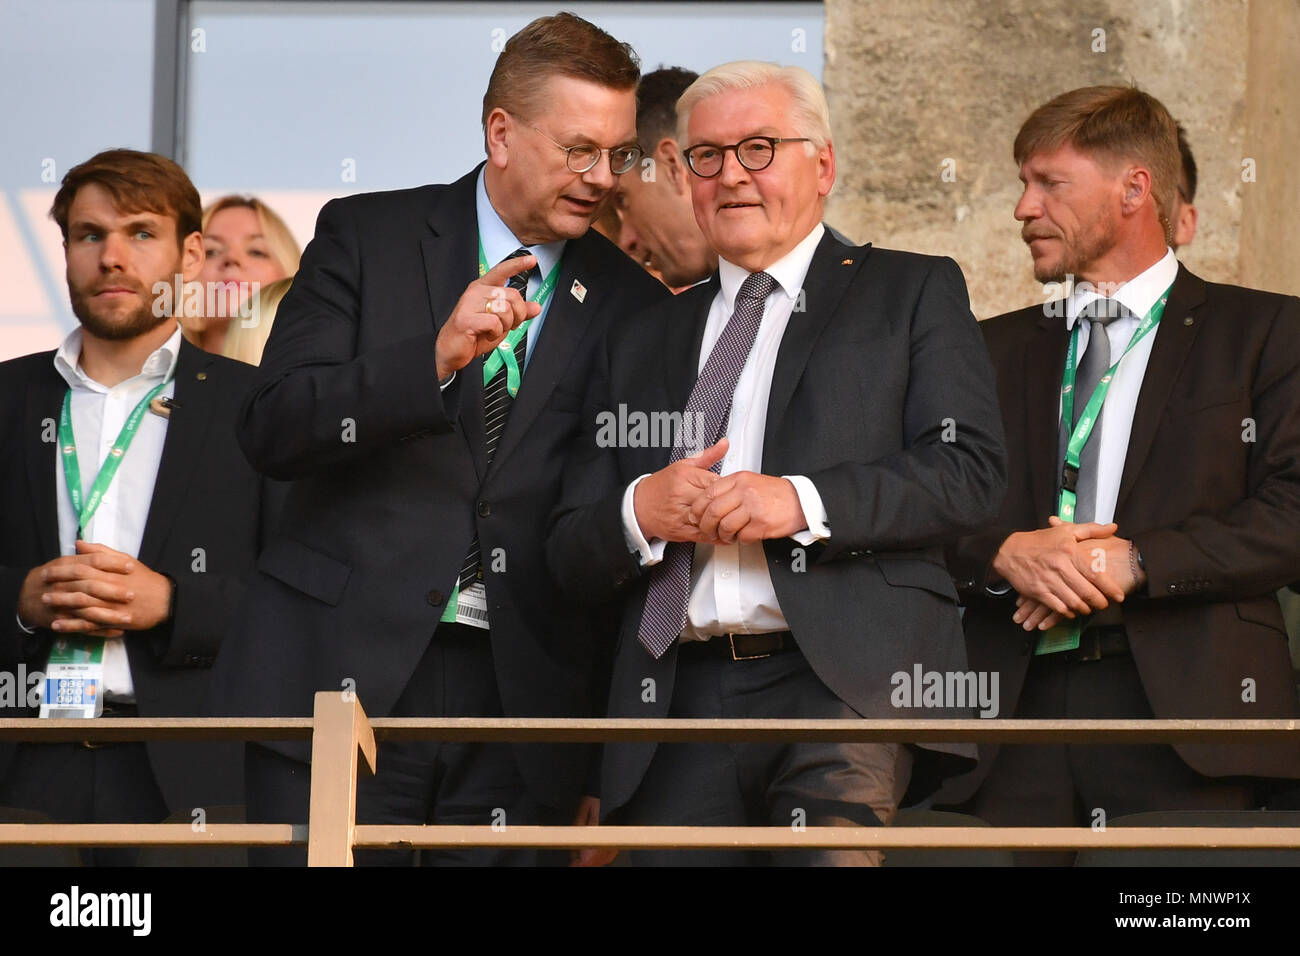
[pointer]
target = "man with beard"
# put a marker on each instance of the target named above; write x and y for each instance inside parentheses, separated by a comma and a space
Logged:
(421, 388)
(128, 511)
(1153, 427)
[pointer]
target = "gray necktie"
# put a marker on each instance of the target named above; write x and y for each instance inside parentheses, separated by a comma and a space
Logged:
(1096, 362)
(668, 598)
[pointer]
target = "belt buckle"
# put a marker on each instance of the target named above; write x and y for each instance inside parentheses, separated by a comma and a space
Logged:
(1093, 647)
(731, 639)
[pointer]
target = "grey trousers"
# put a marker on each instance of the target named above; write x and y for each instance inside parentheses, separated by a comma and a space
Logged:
(749, 784)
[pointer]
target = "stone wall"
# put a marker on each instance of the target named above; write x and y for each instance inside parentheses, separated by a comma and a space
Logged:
(926, 97)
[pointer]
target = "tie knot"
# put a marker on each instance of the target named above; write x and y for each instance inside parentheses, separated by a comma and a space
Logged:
(757, 286)
(519, 281)
(1103, 310)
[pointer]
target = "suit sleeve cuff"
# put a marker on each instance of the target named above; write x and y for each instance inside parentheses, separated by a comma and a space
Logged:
(648, 552)
(814, 511)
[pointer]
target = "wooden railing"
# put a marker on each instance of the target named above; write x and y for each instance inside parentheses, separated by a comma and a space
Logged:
(344, 746)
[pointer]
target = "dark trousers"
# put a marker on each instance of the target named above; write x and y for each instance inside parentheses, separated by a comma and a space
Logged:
(1055, 785)
(76, 783)
(418, 782)
(749, 784)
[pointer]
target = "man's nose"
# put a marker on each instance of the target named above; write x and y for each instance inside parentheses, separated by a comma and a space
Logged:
(628, 239)
(600, 176)
(1028, 207)
(112, 252)
(733, 170)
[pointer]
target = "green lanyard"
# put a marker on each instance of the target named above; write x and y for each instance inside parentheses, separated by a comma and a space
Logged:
(1065, 636)
(1083, 430)
(72, 470)
(504, 354)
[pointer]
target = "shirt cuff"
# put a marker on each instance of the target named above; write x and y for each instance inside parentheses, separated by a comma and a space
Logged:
(998, 592)
(23, 627)
(443, 385)
(814, 511)
(649, 552)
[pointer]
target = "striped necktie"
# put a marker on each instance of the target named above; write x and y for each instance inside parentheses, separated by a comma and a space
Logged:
(497, 402)
(668, 598)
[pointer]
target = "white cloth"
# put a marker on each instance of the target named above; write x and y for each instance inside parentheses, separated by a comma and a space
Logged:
(731, 588)
(1137, 295)
(98, 414)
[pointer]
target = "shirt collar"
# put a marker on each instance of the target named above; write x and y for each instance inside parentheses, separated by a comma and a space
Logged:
(498, 241)
(788, 271)
(1137, 295)
(161, 363)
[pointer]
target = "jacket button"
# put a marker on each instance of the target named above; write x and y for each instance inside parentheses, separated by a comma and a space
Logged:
(435, 598)
(484, 509)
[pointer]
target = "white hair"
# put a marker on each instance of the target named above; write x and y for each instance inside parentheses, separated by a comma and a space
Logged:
(810, 114)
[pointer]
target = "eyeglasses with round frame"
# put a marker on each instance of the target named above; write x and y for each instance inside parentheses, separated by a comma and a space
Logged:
(754, 153)
(584, 156)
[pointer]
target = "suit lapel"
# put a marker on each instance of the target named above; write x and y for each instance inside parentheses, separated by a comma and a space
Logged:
(832, 268)
(450, 264)
(1044, 365)
(567, 320)
(187, 430)
(44, 401)
(1174, 338)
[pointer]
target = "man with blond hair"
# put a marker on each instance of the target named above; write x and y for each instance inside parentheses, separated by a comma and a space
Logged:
(782, 555)
(1153, 426)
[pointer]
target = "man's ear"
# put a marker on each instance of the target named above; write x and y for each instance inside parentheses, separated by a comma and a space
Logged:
(669, 160)
(1137, 189)
(825, 169)
(496, 137)
(192, 256)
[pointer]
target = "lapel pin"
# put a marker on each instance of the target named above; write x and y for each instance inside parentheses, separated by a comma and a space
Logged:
(1187, 321)
(202, 376)
(846, 262)
(578, 290)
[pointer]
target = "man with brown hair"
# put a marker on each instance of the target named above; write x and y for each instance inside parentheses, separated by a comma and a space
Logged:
(129, 512)
(1153, 427)
(420, 388)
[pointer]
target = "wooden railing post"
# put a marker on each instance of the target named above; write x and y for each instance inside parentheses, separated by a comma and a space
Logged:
(342, 744)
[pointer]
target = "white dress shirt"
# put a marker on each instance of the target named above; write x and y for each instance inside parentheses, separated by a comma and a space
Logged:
(1137, 295)
(98, 414)
(731, 588)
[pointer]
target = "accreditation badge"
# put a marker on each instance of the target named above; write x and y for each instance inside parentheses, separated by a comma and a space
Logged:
(74, 679)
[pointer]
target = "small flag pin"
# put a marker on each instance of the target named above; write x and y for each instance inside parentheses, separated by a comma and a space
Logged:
(579, 291)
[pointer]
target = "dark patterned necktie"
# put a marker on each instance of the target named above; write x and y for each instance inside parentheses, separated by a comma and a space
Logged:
(1096, 362)
(668, 598)
(497, 402)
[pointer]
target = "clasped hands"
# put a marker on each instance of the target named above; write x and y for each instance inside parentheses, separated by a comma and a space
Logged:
(97, 592)
(688, 502)
(1065, 570)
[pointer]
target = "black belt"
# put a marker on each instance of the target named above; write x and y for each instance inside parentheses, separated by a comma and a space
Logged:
(113, 708)
(741, 647)
(1098, 642)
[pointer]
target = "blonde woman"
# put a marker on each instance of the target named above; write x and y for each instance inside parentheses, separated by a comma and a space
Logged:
(246, 338)
(247, 247)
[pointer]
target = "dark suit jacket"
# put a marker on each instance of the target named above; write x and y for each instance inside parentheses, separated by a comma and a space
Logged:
(375, 528)
(1216, 517)
(206, 496)
(866, 377)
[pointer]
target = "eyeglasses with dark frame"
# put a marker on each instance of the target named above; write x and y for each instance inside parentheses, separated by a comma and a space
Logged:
(754, 153)
(584, 156)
